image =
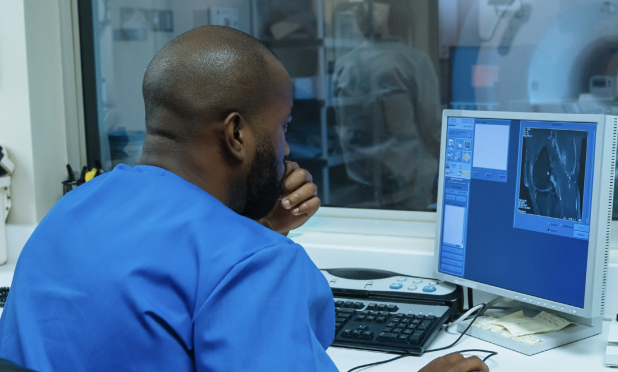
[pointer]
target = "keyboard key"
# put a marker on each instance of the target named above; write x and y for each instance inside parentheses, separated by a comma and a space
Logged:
(381, 307)
(370, 319)
(372, 306)
(392, 308)
(344, 315)
(421, 317)
(349, 311)
(358, 305)
(406, 321)
(388, 337)
(414, 339)
(407, 332)
(380, 319)
(416, 321)
(347, 304)
(392, 324)
(338, 303)
(387, 330)
(402, 339)
(373, 313)
(430, 317)
(424, 325)
(341, 320)
(412, 326)
(345, 333)
(363, 327)
(360, 318)
(367, 335)
(385, 313)
(398, 330)
(356, 333)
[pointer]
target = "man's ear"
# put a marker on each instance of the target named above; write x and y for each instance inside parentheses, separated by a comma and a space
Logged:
(235, 136)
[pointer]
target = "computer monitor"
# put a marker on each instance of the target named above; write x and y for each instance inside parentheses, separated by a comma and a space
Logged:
(525, 206)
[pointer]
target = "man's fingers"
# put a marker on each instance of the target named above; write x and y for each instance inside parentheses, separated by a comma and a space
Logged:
(471, 364)
(309, 207)
(305, 192)
(290, 167)
(453, 358)
(296, 179)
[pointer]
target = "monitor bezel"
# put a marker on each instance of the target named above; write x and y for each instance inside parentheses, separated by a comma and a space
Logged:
(600, 223)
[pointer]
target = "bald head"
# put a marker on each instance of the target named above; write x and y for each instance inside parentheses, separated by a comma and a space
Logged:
(203, 75)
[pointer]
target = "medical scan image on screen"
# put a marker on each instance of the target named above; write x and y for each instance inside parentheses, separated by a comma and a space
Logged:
(516, 210)
(553, 169)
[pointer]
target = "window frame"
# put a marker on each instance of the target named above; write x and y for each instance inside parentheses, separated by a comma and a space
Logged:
(337, 220)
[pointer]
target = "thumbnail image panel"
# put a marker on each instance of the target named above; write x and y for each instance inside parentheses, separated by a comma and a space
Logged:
(553, 168)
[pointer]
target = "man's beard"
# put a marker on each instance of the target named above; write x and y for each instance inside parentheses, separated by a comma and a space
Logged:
(262, 188)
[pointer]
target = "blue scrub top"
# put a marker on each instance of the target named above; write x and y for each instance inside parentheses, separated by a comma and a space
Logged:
(140, 270)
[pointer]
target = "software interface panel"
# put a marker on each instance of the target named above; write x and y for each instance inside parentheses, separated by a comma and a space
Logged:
(517, 203)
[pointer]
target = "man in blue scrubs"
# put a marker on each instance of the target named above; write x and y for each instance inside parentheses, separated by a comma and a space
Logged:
(181, 263)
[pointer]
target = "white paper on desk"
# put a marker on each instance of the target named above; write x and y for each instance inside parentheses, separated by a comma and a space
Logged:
(519, 325)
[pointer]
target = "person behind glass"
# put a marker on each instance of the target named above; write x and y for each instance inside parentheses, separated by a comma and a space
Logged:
(182, 263)
(389, 113)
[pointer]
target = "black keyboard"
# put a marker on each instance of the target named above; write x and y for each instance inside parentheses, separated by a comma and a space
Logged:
(387, 326)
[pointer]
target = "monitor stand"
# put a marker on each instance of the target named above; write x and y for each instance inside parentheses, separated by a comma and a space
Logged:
(580, 329)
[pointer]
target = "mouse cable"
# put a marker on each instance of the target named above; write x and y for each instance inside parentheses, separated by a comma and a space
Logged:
(491, 353)
(378, 363)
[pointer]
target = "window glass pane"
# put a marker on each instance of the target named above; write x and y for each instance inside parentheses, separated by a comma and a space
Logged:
(371, 77)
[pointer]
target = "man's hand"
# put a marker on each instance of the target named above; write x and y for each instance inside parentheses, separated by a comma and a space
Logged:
(299, 201)
(456, 363)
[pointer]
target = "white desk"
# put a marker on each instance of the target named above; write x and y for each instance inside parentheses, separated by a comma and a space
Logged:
(582, 356)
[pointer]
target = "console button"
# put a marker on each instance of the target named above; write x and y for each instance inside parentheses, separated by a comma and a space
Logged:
(401, 279)
(396, 286)
(416, 281)
(429, 288)
(433, 283)
(412, 288)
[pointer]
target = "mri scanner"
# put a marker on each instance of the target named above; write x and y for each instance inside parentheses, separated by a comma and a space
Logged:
(541, 55)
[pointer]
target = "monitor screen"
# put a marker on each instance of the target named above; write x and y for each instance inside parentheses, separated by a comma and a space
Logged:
(517, 205)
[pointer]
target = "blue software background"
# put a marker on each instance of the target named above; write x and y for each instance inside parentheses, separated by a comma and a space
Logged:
(542, 265)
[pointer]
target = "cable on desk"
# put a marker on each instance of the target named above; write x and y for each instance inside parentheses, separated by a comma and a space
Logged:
(491, 353)
(378, 363)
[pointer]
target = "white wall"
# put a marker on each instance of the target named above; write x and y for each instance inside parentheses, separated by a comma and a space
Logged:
(31, 105)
